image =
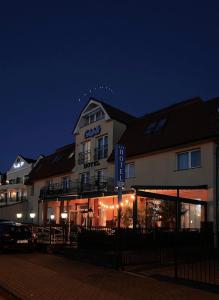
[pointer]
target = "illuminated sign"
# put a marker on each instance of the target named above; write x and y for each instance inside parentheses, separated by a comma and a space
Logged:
(120, 155)
(92, 132)
(18, 164)
(91, 164)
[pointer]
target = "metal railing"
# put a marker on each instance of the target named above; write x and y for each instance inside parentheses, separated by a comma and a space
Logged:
(8, 201)
(94, 184)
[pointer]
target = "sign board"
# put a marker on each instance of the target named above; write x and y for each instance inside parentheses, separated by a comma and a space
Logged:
(120, 155)
(92, 132)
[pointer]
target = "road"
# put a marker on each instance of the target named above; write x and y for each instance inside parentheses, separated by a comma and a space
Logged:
(42, 276)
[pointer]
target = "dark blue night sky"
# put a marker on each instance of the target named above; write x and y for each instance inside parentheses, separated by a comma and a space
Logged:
(151, 53)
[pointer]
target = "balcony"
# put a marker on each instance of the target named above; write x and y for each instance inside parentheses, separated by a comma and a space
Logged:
(101, 152)
(9, 201)
(13, 183)
(76, 187)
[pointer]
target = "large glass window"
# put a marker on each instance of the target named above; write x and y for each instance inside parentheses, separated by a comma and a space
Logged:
(86, 150)
(85, 154)
(189, 159)
(101, 151)
(130, 170)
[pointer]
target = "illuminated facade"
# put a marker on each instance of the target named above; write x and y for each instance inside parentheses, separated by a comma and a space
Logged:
(170, 160)
(13, 190)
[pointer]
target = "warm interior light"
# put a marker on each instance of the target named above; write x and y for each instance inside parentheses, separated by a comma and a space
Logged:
(64, 215)
(52, 217)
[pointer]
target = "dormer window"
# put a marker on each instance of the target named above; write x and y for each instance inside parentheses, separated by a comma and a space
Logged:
(155, 126)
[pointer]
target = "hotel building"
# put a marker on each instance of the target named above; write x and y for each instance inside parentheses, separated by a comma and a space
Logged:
(171, 168)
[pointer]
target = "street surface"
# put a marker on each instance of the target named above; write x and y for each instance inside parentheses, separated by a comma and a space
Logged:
(41, 276)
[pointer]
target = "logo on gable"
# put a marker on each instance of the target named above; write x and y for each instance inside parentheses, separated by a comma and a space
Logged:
(92, 132)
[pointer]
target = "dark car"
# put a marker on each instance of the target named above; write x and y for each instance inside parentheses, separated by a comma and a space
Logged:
(15, 236)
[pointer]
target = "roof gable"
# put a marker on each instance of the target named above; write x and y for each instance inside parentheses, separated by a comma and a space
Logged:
(110, 112)
(62, 161)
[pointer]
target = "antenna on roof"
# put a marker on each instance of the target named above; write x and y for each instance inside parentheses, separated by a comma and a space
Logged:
(94, 90)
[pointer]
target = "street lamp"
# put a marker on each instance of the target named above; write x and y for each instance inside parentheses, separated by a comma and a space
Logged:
(90, 215)
(19, 215)
(64, 216)
(52, 217)
(32, 215)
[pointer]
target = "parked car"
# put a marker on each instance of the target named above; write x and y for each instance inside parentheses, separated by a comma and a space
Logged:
(15, 236)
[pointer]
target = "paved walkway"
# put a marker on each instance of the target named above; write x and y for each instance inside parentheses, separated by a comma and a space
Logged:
(41, 276)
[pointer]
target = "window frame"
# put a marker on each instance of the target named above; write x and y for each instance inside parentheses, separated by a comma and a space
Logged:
(128, 165)
(189, 152)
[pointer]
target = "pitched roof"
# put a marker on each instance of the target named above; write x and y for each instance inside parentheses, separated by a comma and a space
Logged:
(115, 113)
(28, 160)
(60, 162)
(182, 123)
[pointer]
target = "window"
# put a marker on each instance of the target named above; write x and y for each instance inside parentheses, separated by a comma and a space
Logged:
(65, 183)
(86, 150)
(101, 175)
(155, 126)
(130, 170)
(85, 177)
(49, 184)
(94, 116)
(189, 159)
(101, 151)
(32, 190)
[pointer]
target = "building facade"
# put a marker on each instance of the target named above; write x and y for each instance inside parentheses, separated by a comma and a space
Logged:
(171, 159)
(171, 171)
(13, 190)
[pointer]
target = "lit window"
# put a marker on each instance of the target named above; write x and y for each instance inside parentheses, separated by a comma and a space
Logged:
(130, 170)
(189, 159)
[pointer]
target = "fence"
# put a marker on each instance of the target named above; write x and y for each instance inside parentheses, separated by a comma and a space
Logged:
(187, 255)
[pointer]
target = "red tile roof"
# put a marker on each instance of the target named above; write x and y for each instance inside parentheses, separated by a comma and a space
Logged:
(186, 122)
(62, 161)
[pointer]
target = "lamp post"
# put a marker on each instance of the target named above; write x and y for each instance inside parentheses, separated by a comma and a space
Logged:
(52, 218)
(64, 216)
(90, 215)
(32, 216)
(85, 213)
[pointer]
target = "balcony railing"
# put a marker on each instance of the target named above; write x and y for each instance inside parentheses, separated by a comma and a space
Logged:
(101, 152)
(13, 181)
(94, 184)
(84, 157)
(8, 201)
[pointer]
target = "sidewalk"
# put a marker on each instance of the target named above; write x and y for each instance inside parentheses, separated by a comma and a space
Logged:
(40, 276)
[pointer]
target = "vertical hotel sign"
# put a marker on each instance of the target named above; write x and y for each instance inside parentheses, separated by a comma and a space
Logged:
(120, 155)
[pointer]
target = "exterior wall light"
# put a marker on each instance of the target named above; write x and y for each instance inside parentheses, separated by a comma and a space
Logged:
(52, 217)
